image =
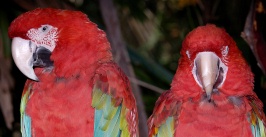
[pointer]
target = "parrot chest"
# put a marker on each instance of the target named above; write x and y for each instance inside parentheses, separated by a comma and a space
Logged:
(208, 119)
(60, 109)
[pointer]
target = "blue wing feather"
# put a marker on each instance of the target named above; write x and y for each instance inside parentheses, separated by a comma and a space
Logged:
(97, 118)
(115, 111)
(256, 118)
(105, 123)
(257, 128)
(162, 122)
(26, 126)
(166, 129)
(25, 119)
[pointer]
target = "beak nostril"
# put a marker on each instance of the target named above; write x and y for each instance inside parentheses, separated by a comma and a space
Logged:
(34, 57)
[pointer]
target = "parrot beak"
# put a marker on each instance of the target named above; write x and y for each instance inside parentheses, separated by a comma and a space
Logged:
(26, 55)
(207, 71)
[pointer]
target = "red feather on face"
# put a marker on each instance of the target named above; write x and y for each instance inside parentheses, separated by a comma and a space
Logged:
(211, 93)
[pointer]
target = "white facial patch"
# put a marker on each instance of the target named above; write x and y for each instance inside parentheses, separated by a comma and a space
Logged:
(225, 51)
(45, 36)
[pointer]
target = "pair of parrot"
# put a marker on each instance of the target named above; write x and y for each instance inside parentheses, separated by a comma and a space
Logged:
(76, 89)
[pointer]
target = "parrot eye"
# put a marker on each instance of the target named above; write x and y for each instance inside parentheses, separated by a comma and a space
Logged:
(46, 36)
(44, 28)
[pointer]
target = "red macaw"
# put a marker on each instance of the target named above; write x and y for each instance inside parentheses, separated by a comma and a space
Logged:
(75, 88)
(211, 94)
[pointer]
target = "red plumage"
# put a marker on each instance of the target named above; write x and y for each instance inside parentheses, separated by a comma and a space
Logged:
(60, 104)
(228, 113)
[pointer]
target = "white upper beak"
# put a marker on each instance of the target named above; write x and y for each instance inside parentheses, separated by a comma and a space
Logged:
(207, 70)
(22, 52)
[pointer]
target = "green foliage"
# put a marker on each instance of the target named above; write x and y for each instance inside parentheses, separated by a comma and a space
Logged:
(4, 39)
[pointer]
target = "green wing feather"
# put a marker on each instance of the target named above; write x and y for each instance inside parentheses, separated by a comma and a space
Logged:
(162, 121)
(114, 105)
(25, 119)
(166, 129)
(110, 120)
(257, 118)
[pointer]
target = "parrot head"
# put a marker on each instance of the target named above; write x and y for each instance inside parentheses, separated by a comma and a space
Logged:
(55, 38)
(215, 63)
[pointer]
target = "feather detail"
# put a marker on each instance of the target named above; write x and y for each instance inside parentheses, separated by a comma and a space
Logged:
(109, 120)
(163, 120)
(112, 105)
(25, 119)
(257, 118)
(166, 130)
(123, 123)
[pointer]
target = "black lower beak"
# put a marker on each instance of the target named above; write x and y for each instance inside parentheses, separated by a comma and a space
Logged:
(41, 57)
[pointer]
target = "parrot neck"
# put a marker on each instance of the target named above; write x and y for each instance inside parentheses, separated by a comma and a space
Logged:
(82, 52)
(83, 60)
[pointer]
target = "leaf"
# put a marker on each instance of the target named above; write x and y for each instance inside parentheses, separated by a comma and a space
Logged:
(253, 32)
(150, 65)
(4, 35)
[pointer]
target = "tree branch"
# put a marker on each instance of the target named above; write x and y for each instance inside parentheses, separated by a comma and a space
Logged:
(121, 56)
